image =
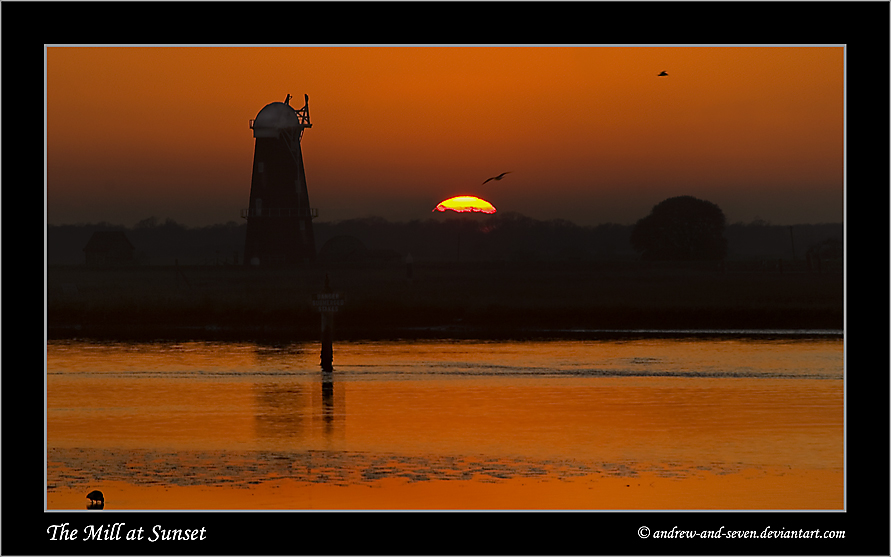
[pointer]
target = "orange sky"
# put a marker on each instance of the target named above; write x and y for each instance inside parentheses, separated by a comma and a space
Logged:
(590, 134)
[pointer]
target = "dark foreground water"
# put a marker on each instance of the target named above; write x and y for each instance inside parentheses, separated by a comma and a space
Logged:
(647, 423)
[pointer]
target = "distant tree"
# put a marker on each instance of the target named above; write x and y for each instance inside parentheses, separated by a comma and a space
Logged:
(681, 228)
(150, 222)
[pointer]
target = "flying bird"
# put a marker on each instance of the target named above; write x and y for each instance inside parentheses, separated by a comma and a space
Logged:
(500, 176)
(663, 74)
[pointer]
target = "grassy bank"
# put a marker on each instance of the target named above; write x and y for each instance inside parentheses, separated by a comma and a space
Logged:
(476, 299)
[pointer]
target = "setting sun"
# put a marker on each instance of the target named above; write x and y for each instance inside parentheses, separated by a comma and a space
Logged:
(466, 204)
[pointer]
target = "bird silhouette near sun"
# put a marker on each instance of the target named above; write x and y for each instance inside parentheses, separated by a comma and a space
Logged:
(663, 74)
(499, 177)
(469, 203)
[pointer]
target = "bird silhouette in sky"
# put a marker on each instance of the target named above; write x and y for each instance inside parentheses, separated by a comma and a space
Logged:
(663, 74)
(500, 176)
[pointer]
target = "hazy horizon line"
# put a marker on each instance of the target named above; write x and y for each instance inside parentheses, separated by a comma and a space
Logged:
(159, 221)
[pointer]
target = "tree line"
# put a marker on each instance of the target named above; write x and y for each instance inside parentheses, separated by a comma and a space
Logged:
(477, 237)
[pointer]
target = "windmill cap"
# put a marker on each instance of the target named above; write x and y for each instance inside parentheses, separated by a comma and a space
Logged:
(275, 117)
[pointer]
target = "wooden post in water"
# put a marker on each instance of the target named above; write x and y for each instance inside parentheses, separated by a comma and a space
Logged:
(328, 302)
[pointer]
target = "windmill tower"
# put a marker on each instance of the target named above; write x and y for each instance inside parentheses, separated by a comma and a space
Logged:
(279, 218)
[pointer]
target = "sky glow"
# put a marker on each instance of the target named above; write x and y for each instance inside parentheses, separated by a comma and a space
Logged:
(591, 134)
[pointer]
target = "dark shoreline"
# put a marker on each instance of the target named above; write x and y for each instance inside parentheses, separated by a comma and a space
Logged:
(215, 333)
(406, 324)
(472, 301)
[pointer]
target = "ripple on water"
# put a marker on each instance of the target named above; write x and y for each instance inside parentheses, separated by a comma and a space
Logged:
(77, 468)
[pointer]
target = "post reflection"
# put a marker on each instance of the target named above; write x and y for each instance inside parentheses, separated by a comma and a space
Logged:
(328, 400)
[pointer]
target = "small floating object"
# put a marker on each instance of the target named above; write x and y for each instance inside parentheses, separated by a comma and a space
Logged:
(96, 496)
(466, 204)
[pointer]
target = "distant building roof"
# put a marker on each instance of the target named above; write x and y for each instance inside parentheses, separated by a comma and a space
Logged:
(108, 240)
(109, 247)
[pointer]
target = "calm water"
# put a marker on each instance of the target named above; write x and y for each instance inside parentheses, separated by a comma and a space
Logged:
(448, 424)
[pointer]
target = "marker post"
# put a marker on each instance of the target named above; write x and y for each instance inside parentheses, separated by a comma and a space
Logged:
(327, 302)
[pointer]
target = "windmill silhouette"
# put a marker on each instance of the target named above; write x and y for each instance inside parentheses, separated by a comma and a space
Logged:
(279, 218)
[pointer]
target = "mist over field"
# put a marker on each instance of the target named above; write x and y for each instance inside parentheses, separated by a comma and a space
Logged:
(503, 237)
(496, 275)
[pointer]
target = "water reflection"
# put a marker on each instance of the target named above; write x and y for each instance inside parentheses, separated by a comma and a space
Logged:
(299, 411)
(328, 400)
(280, 409)
(225, 416)
(279, 352)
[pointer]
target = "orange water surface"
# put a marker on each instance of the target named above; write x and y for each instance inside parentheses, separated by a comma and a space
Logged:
(623, 424)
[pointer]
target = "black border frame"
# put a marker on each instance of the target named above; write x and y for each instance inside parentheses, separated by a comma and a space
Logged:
(861, 26)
